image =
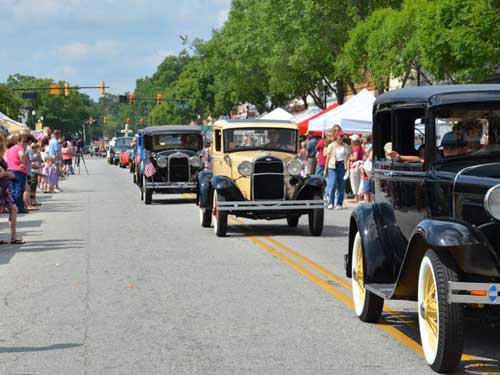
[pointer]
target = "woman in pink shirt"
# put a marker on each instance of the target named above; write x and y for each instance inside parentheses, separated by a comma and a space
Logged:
(17, 163)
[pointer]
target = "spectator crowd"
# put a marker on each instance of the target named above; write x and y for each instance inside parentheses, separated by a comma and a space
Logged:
(345, 161)
(31, 165)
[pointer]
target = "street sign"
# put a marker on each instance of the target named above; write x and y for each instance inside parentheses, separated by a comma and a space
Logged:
(38, 126)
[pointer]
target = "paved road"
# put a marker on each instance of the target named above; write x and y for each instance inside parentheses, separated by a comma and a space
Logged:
(109, 285)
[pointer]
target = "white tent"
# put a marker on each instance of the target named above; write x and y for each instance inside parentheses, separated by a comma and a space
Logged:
(305, 114)
(277, 114)
(354, 116)
(10, 124)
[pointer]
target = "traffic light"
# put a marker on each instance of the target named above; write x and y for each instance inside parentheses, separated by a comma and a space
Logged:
(158, 98)
(141, 121)
(105, 120)
(102, 88)
(66, 89)
(54, 89)
(131, 98)
(128, 120)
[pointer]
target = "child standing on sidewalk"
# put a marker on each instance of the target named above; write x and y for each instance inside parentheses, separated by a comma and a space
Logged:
(51, 174)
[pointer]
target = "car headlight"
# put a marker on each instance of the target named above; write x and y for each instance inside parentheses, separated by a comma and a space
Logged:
(195, 161)
(492, 202)
(245, 168)
(162, 162)
(294, 167)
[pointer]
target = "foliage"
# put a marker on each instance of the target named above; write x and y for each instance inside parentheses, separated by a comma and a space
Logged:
(10, 103)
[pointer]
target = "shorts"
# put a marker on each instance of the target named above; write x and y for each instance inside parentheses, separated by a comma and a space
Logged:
(67, 161)
(366, 186)
(33, 182)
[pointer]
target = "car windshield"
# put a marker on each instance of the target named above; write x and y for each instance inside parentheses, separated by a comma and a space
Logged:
(123, 143)
(177, 141)
(467, 132)
(276, 139)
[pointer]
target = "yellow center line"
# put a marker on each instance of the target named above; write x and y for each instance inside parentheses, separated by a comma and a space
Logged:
(412, 344)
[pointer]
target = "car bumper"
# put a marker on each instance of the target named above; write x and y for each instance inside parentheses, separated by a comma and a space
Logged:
(270, 205)
(483, 293)
(171, 185)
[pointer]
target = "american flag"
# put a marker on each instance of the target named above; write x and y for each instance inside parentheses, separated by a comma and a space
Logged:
(149, 169)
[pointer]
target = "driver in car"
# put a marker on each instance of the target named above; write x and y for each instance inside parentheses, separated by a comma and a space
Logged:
(275, 141)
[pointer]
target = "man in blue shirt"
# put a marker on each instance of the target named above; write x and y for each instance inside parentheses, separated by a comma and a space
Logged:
(312, 142)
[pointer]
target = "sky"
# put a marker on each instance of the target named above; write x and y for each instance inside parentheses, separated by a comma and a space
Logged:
(86, 41)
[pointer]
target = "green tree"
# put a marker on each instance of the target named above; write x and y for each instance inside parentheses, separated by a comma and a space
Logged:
(10, 103)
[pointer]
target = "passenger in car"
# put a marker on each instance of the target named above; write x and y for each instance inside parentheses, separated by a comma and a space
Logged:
(408, 158)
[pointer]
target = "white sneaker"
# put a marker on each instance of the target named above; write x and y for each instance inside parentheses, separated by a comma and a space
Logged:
(339, 208)
(330, 207)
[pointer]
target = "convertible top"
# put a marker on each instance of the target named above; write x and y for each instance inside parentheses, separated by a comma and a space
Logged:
(439, 94)
(172, 129)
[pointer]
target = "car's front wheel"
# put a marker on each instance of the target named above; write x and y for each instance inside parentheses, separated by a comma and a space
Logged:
(316, 218)
(205, 215)
(148, 195)
(220, 217)
(440, 322)
(367, 306)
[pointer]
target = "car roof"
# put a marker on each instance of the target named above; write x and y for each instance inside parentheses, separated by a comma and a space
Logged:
(438, 94)
(177, 129)
(232, 124)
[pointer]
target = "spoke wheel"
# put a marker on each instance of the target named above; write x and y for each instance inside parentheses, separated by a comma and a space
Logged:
(367, 306)
(220, 218)
(440, 322)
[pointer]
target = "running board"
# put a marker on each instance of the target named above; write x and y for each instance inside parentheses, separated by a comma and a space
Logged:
(384, 291)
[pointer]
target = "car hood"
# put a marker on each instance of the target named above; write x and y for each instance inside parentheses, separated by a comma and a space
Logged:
(237, 157)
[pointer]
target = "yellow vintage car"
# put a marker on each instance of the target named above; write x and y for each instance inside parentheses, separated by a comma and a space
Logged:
(256, 174)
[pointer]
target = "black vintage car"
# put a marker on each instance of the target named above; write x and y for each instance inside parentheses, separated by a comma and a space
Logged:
(171, 160)
(432, 234)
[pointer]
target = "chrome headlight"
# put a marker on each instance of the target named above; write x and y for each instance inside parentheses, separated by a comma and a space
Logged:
(245, 168)
(162, 162)
(492, 202)
(195, 161)
(294, 167)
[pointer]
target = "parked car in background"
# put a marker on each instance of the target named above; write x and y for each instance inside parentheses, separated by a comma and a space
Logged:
(256, 174)
(432, 235)
(171, 160)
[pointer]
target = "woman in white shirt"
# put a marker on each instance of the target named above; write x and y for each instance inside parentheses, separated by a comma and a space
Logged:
(337, 155)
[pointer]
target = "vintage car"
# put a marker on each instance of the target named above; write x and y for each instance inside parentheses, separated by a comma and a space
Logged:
(432, 234)
(138, 157)
(122, 144)
(256, 174)
(171, 160)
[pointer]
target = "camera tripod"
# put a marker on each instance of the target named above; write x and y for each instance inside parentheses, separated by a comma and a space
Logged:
(77, 162)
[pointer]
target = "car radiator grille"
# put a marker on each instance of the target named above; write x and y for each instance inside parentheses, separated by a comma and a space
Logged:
(268, 179)
(179, 170)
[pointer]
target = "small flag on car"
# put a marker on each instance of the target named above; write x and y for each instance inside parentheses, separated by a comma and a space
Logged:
(149, 169)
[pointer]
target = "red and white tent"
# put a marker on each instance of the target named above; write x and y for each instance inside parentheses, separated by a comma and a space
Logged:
(304, 125)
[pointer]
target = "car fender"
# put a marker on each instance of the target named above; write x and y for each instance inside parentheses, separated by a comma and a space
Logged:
(381, 239)
(204, 187)
(465, 244)
(309, 185)
(227, 188)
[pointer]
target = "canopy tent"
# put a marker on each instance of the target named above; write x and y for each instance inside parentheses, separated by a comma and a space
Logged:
(354, 116)
(304, 124)
(11, 125)
(308, 113)
(277, 114)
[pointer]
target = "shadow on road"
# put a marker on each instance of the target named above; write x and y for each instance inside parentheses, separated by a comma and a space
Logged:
(27, 349)
(7, 251)
(480, 340)
(301, 230)
(173, 201)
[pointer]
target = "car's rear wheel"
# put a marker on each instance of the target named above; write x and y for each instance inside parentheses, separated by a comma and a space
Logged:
(440, 322)
(292, 220)
(367, 306)
(220, 217)
(316, 218)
